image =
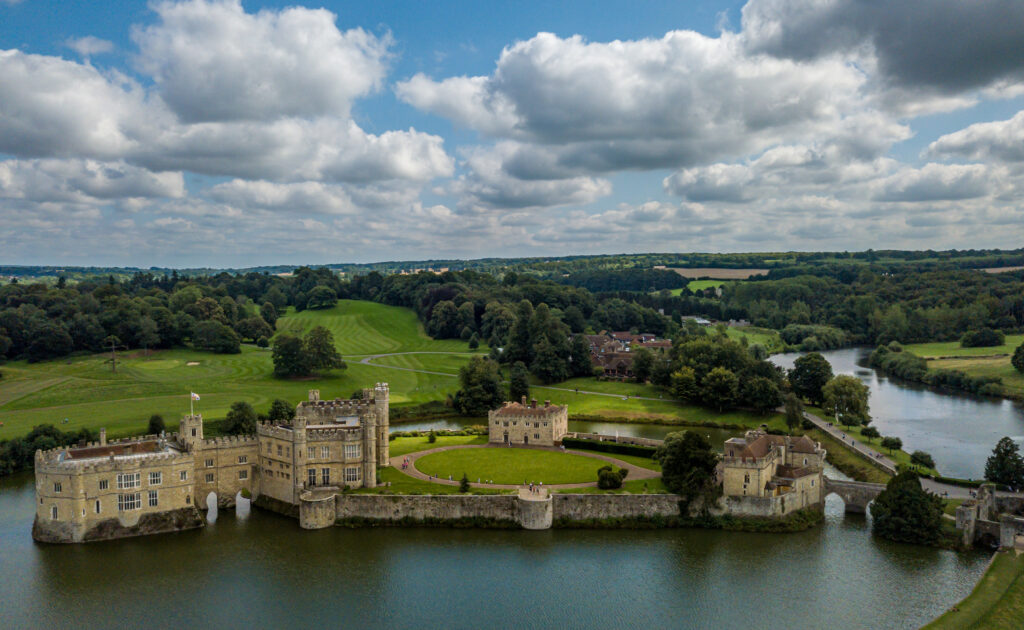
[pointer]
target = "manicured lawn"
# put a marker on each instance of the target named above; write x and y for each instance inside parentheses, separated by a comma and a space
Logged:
(511, 465)
(996, 603)
(637, 486)
(700, 285)
(406, 445)
(402, 483)
(953, 349)
(847, 461)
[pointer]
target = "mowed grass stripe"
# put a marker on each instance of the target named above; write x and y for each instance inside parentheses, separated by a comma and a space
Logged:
(511, 465)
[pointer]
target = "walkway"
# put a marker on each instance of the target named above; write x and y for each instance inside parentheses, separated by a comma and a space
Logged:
(879, 459)
(635, 472)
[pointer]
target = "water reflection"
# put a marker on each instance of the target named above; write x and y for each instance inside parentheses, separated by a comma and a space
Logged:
(211, 508)
(958, 430)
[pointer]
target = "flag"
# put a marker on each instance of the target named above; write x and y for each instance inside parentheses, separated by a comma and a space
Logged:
(195, 396)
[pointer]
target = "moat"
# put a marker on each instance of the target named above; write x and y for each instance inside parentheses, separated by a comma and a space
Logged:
(263, 571)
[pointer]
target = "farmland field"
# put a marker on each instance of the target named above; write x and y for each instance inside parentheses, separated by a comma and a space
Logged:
(700, 285)
(719, 273)
(953, 349)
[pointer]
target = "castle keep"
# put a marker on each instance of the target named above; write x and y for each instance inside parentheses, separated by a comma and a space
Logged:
(154, 483)
(771, 475)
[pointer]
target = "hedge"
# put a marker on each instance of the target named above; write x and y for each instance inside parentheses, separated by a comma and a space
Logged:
(609, 447)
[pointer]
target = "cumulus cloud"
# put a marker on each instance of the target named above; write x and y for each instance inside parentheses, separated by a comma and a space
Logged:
(1001, 140)
(213, 61)
(945, 45)
(936, 182)
(89, 46)
(84, 181)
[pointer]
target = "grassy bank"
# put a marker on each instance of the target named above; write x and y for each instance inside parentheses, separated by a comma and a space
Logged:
(952, 348)
(850, 463)
(996, 603)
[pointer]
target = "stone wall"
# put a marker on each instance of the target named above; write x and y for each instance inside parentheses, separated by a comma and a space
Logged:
(589, 507)
(617, 439)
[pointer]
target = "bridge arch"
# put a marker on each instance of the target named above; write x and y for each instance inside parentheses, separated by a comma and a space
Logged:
(856, 495)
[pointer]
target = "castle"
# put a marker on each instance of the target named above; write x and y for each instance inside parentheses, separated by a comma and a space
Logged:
(522, 423)
(771, 475)
(155, 483)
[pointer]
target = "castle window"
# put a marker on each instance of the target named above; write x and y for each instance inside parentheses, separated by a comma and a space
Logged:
(352, 451)
(156, 478)
(536, 436)
(311, 473)
(325, 476)
(545, 424)
(104, 484)
(188, 499)
(352, 473)
(53, 512)
(279, 449)
(193, 432)
(209, 463)
(311, 452)
(325, 451)
(183, 475)
(242, 459)
(97, 507)
(506, 423)
(209, 477)
(56, 487)
(130, 501)
(805, 461)
(128, 480)
(152, 498)
(812, 483)
(288, 451)
(243, 474)
(746, 478)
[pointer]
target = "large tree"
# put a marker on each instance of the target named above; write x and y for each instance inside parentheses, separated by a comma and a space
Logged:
(905, 512)
(719, 388)
(1006, 466)
(281, 411)
(643, 365)
(321, 297)
(809, 375)
(214, 336)
(548, 365)
(794, 411)
(289, 357)
(518, 382)
(846, 398)
(1017, 361)
(254, 328)
(684, 383)
(579, 357)
(520, 344)
(241, 419)
(479, 387)
(687, 464)
(321, 353)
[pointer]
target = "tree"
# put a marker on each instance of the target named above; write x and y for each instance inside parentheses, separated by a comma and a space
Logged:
(518, 382)
(892, 443)
(281, 411)
(474, 341)
(794, 411)
(321, 297)
(1005, 466)
(1017, 361)
(573, 318)
(809, 375)
(269, 314)
(984, 338)
(921, 458)
(643, 365)
(847, 399)
(761, 393)
(321, 353)
(719, 388)
(289, 357)
(156, 425)
(444, 321)
(684, 383)
(432, 436)
(687, 464)
(609, 479)
(241, 419)
(905, 512)
(480, 387)
(547, 364)
(147, 334)
(579, 357)
(216, 337)
(50, 341)
(254, 328)
(871, 433)
(520, 345)
(464, 483)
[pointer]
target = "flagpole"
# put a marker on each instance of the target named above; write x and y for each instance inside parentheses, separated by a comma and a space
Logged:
(191, 404)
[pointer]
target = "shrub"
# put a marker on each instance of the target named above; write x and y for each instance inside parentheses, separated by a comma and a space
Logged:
(610, 479)
(984, 338)
(464, 483)
(262, 342)
(432, 437)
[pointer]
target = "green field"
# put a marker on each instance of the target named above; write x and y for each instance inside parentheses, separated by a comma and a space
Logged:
(953, 349)
(700, 285)
(511, 465)
(768, 338)
(85, 392)
(996, 603)
(1013, 381)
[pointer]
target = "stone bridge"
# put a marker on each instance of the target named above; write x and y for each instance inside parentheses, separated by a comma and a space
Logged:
(855, 494)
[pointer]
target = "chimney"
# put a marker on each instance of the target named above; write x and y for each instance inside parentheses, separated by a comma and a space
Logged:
(533, 403)
(547, 403)
(314, 395)
(103, 437)
(524, 401)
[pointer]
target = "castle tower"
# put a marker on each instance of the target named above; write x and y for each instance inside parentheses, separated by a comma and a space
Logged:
(380, 399)
(190, 431)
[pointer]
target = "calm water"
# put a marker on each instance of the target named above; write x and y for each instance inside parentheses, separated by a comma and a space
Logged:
(264, 571)
(959, 431)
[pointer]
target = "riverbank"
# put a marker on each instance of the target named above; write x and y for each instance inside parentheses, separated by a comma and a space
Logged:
(997, 601)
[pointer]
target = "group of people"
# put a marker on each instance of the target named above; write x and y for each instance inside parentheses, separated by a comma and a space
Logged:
(535, 488)
(406, 463)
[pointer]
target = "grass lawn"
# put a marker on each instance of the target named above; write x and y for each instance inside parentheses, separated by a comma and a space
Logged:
(951, 505)
(997, 602)
(511, 465)
(700, 285)
(767, 337)
(847, 461)
(953, 349)
(1013, 380)
(406, 445)
(636, 486)
(402, 483)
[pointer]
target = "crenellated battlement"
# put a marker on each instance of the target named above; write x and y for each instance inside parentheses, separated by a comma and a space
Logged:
(267, 429)
(230, 441)
(353, 433)
(52, 462)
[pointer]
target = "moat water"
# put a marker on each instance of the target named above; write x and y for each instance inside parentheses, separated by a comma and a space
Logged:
(959, 431)
(263, 571)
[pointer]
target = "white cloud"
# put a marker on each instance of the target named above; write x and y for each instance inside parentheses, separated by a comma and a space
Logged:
(89, 46)
(84, 181)
(213, 61)
(1001, 140)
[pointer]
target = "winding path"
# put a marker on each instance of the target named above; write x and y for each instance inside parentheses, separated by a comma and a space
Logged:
(635, 472)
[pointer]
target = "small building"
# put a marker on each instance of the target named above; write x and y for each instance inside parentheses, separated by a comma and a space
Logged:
(772, 475)
(522, 423)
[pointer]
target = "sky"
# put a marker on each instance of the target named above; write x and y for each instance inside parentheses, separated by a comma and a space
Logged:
(221, 133)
